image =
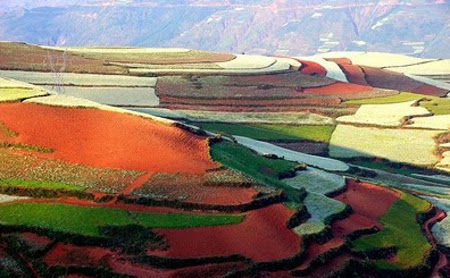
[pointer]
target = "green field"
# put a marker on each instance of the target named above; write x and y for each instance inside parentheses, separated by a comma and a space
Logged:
(401, 230)
(379, 165)
(87, 220)
(437, 106)
(402, 97)
(42, 184)
(273, 132)
(262, 169)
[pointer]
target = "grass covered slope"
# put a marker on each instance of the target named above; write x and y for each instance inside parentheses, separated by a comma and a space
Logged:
(87, 220)
(265, 170)
(273, 132)
(400, 230)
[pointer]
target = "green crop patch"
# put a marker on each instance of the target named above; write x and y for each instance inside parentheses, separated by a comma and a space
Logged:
(88, 220)
(402, 231)
(402, 97)
(278, 132)
(265, 170)
(42, 184)
(437, 106)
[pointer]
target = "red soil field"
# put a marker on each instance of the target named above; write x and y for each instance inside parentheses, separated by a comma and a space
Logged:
(353, 73)
(367, 199)
(339, 88)
(333, 265)
(211, 270)
(37, 242)
(107, 139)
(70, 255)
(343, 61)
(310, 67)
(262, 236)
(315, 250)
(391, 80)
(440, 215)
(353, 223)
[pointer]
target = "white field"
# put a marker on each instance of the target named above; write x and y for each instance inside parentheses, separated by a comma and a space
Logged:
(332, 69)
(46, 78)
(157, 112)
(381, 60)
(438, 67)
(248, 62)
(299, 118)
(115, 95)
(430, 81)
(250, 65)
(9, 198)
(312, 160)
(117, 50)
(320, 208)
(444, 164)
(441, 122)
(413, 146)
(441, 231)
(10, 83)
(384, 114)
(69, 101)
(316, 181)
(290, 61)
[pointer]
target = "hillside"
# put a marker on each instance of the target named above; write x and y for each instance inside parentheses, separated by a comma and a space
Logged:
(172, 162)
(296, 27)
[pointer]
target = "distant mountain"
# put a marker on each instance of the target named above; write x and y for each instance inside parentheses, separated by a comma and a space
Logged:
(277, 27)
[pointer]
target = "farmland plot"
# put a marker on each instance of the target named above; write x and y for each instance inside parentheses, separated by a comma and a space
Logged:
(73, 102)
(316, 181)
(316, 161)
(321, 208)
(32, 171)
(299, 118)
(332, 69)
(118, 96)
(385, 114)
(439, 67)
(350, 141)
(441, 122)
(75, 79)
(13, 90)
(382, 60)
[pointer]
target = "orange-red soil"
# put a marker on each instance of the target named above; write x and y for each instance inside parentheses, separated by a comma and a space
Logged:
(367, 199)
(262, 236)
(310, 67)
(339, 88)
(353, 223)
(106, 139)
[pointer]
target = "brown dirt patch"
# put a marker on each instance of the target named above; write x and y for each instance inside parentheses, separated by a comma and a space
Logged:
(306, 147)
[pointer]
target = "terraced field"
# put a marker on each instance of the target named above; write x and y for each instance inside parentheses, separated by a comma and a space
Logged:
(90, 190)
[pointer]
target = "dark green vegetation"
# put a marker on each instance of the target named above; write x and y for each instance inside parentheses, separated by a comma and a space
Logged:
(265, 170)
(88, 220)
(400, 231)
(382, 165)
(272, 132)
